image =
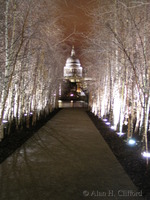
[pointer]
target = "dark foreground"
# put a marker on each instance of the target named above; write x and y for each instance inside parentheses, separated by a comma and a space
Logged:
(129, 156)
(13, 141)
(66, 159)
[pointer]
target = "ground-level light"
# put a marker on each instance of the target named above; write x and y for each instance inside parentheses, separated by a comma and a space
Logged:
(4, 121)
(112, 127)
(131, 141)
(146, 154)
(120, 133)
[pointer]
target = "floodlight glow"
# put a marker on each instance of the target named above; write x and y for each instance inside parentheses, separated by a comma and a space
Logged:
(146, 154)
(71, 95)
(31, 113)
(25, 114)
(117, 106)
(120, 134)
(105, 120)
(108, 123)
(112, 127)
(125, 123)
(59, 100)
(4, 121)
(131, 141)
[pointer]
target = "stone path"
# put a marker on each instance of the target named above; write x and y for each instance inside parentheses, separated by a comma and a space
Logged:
(67, 159)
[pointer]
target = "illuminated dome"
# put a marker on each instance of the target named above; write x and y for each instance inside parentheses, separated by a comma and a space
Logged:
(73, 67)
(72, 60)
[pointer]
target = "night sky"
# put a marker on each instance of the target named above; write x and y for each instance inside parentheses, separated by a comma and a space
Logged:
(76, 16)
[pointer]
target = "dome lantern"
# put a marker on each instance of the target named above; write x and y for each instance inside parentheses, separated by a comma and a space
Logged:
(72, 52)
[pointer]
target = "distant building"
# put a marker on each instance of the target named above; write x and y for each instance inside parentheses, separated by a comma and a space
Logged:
(73, 70)
(72, 86)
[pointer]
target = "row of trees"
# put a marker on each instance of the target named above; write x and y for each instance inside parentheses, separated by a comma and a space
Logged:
(117, 51)
(119, 43)
(29, 60)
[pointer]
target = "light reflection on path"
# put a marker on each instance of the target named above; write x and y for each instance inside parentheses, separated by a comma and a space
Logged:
(64, 158)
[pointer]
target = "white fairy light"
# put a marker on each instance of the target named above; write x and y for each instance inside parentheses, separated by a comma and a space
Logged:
(4, 121)
(131, 141)
(116, 110)
(146, 154)
(112, 127)
(120, 134)
(125, 123)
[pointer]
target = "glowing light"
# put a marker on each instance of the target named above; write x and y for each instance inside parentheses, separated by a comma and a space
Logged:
(82, 93)
(146, 154)
(131, 141)
(112, 127)
(25, 114)
(105, 120)
(71, 95)
(108, 123)
(125, 123)
(71, 101)
(60, 89)
(116, 109)
(31, 113)
(59, 100)
(4, 121)
(103, 104)
(120, 134)
(94, 108)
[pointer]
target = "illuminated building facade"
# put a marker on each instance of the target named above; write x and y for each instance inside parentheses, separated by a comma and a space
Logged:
(73, 78)
(73, 69)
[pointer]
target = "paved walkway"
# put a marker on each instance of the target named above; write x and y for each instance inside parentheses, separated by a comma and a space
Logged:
(67, 159)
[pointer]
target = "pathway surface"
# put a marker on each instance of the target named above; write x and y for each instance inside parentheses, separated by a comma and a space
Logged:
(67, 159)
